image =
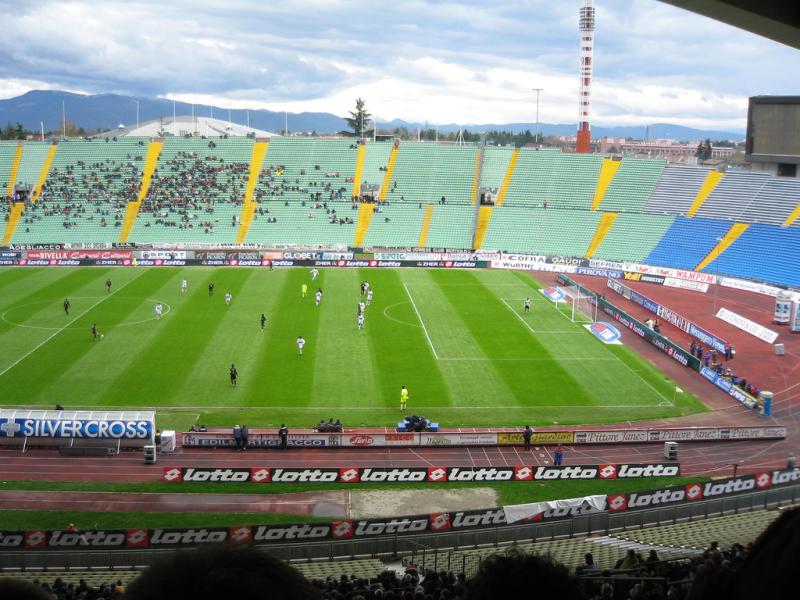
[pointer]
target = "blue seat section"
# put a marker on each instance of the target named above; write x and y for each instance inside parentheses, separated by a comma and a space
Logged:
(687, 242)
(763, 252)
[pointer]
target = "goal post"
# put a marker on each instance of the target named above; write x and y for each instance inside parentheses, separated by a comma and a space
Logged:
(578, 305)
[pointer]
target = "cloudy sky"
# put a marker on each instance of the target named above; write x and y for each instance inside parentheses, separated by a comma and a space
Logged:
(444, 62)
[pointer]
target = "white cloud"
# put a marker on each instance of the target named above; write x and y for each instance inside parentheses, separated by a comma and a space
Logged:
(443, 61)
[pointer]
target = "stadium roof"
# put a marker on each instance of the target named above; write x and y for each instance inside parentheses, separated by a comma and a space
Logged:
(186, 125)
(777, 20)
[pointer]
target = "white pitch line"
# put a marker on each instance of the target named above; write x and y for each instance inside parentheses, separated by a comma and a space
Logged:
(659, 394)
(516, 314)
(421, 322)
(55, 333)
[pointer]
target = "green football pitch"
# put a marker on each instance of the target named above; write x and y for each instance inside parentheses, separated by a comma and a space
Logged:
(459, 340)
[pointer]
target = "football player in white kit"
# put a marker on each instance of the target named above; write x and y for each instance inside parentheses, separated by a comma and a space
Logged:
(300, 343)
(184, 286)
(318, 296)
(369, 297)
(228, 298)
(361, 321)
(314, 274)
(159, 311)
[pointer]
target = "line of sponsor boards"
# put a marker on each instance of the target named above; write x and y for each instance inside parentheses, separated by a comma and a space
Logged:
(370, 528)
(669, 348)
(415, 474)
(671, 316)
(692, 492)
(604, 268)
(509, 438)
(240, 262)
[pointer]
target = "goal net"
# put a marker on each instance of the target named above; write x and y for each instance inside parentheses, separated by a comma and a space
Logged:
(577, 305)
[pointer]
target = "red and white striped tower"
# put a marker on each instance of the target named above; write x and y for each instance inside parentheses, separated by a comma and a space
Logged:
(586, 25)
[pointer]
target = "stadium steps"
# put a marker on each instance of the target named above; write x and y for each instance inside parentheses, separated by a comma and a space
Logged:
(452, 226)
(365, 212)
(387, 178)
(362, 153)
(501, 195)
(792, 217)
(482, 226)
(676, 190)
(12, 175)
(48, 161)
(734, 195)
(733, 234)
(260, 150)
(426, 226)
(607, 172)
(13, 220)
(476, 175)
(763, 253)
(603, 227)
(633, 184)
(633, 237)
(132, 210)
(712, 179)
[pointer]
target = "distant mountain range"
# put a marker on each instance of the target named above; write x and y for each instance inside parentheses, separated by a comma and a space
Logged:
(107, 111)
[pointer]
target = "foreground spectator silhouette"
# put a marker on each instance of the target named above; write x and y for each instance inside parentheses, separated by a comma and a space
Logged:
(520, 575)
(221, 573)
(22, 590)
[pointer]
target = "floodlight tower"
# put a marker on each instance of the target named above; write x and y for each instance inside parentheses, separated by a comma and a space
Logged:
(586, 25)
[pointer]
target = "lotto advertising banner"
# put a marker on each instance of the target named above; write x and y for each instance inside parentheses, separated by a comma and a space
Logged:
(347, 529)
(692, 492)
(264, 475)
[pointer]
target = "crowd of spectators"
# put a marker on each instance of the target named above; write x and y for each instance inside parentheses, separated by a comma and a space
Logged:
(764, 568)
(87, 192)
(184, 191)
(710, 358)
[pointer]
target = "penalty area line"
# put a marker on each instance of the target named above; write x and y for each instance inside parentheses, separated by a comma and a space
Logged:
(421, 322)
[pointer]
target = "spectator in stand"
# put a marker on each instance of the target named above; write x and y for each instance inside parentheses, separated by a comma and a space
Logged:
(519, 575)
(221, 572)
(558, 456)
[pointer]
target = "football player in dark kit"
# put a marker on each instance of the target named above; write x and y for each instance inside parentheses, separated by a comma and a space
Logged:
(211, 289)
(108, 284)
(66, 305)
(234, 374)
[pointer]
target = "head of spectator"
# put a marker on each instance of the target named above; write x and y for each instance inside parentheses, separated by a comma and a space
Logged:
(221, 572)
(521, 575)
(22, 590)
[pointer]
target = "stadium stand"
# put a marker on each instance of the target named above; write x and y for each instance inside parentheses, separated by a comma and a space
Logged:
(451, 226)
(196, 191)
(687, 242)
(33, 159)
(425, 172)
(563, 180)
(376, 158)
(494, 166)
(774, 202)
(633, 236)
(86, 192)
(764, 253)
(303, 194)
(632, 185)
(7, 150)
(547, 202)
(541, 230)
(733, 195)
(676, 190)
